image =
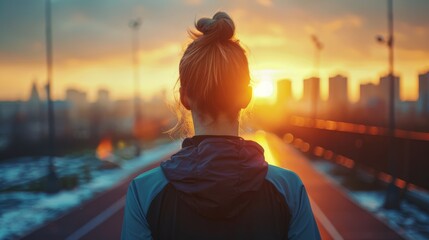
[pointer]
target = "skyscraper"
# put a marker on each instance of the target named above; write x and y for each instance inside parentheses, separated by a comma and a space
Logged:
(76, 98)
(384, 88)
(312, 94)
(338, 89)
(103, 96)
(423, 100)
(369, 94)
(34, 94)
(311, 89)
(78, 113)
(284, 91)
(34, 103)
(33, 109)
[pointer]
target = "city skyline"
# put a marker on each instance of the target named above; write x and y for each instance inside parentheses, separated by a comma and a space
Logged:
(91, 42)
(281, 91)
(333, 80)
(77, 114)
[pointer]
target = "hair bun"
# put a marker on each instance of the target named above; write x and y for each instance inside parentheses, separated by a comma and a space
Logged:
(220, 27)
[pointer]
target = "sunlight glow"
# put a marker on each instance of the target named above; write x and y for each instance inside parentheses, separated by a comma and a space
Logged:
(260, 137)
(264, 89)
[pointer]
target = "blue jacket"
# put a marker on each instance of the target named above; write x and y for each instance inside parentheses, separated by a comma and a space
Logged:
(218, 187)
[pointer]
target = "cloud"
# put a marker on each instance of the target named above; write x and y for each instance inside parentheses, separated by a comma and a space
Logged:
(265, 3)
(349, 21)
(166, 54)
(267, 41)
(96, 32)
(193, 2)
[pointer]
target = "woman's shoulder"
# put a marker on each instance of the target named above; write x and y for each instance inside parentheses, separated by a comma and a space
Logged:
(153, 175)
(279, 175)
(288, 184)
(147, 186)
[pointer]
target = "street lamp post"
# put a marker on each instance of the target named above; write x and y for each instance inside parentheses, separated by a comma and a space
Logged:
(52, 184)
(318, 47)
(392, 200)
(135, 26)
(315, 89)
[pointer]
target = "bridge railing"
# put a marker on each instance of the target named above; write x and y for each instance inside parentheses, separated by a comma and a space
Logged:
(367, 146)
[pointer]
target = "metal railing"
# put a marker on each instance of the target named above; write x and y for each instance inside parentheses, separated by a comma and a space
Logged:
(366, 146)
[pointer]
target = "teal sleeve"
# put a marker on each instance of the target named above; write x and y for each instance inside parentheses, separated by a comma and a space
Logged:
(302, 223)
(141, 191)
(135, 225)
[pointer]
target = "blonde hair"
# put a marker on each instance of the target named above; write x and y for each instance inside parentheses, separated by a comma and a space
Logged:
(214, 71)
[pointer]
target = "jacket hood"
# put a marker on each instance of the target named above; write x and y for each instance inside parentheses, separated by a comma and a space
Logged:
(216, 175)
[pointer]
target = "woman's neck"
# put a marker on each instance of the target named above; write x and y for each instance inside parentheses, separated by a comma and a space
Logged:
(223, 125)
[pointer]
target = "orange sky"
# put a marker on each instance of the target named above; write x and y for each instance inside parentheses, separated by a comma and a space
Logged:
(90, 53)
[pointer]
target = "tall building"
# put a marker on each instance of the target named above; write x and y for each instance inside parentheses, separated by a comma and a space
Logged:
(76, 97)
(338, 89)
(284, 91)
(78, 113)
(369, 94)
(423, 100)
(33, 109)
(34, 94)
(312, 95)
(384, 89)
(103, 96)
(311, 89)
(34, 103)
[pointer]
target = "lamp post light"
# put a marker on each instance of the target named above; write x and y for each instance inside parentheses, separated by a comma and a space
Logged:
(392, 200)
(135, 26)
(52, 181)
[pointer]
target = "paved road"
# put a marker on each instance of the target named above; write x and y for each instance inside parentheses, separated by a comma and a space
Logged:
(99, 218)
(337, 216)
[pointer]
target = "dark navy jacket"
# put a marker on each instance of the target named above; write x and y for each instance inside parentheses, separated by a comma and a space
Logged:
(218, 188)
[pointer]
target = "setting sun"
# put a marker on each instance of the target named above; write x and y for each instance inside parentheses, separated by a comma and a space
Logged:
(264, 89)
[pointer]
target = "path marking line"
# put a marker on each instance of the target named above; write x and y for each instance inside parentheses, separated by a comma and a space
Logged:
(100, 218)
(325, 221)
